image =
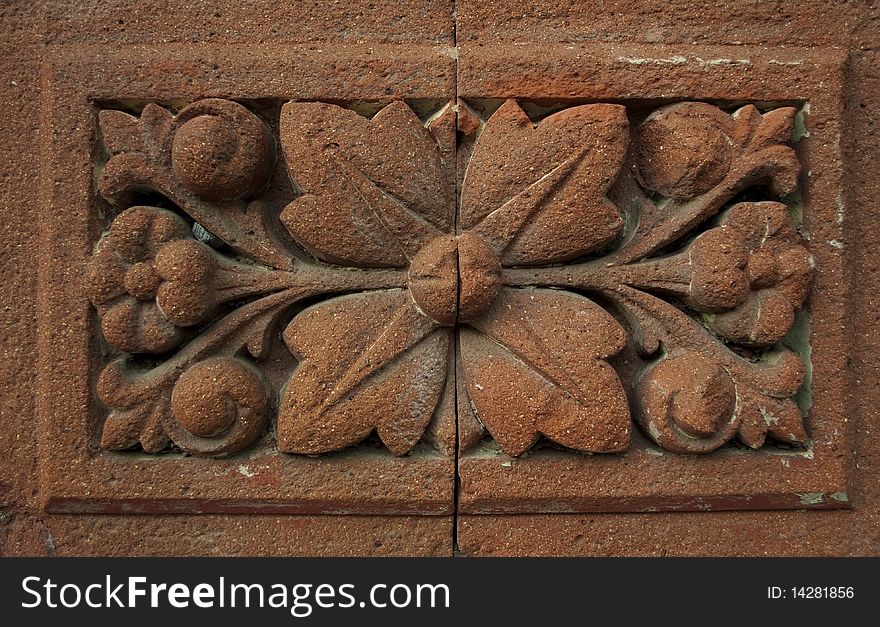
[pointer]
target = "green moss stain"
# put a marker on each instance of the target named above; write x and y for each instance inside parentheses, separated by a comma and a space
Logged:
(795, 204)
(812, 498)
(800, 127)
(798, 340)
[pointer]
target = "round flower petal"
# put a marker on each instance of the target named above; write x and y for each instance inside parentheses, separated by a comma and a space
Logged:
(763, 320)
(104, 277)
(185, 303)
(136, 233)
(795, 268)
(719, 279)
(135, 327)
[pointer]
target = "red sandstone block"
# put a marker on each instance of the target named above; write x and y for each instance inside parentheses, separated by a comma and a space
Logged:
(355, 277)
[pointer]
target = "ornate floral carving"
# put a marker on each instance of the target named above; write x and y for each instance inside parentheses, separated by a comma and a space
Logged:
(124, 281)
(573, 239)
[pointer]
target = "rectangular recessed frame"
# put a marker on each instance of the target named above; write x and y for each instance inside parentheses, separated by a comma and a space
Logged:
(76, 476)
(645, 478)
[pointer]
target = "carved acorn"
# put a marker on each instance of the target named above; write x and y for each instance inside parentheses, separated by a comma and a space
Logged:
(220, 150)
(684, 150)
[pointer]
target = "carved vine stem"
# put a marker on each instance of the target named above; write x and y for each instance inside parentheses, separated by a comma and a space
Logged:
(141, 398)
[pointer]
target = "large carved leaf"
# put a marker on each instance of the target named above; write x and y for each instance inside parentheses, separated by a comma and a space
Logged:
(534, 365)
(537, 191)
(367, 361)
(374, 190)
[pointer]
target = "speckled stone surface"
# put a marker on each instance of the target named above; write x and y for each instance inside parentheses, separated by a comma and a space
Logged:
(63, 493)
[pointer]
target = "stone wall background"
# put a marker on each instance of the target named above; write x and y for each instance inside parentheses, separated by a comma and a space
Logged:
(29, 28)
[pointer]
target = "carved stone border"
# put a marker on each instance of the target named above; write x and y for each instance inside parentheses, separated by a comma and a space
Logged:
(644, 478)
(78, 477)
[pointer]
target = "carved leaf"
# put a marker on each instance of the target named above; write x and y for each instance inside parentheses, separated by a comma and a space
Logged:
(759, 131)
(533, 364)
(367, 361)
(538, 190)
(763, 154)
(765, 403)
(121, 131)
(374, 189)
(156, 123)
(142, 424)
(780, 418)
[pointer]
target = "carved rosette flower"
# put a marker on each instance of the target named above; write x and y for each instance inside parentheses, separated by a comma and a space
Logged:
(149, 279)
(123, 280)
(379, 360)
(778, 271)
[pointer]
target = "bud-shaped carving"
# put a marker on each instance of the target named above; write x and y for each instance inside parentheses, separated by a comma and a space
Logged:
(219, 405)
(221, 150)
(687, 403)
(684, 149)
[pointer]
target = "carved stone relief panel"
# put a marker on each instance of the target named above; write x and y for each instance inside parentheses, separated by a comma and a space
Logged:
(373, 353)
(336, 302)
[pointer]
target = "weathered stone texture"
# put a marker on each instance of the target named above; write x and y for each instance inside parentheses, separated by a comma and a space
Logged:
(391, 282)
